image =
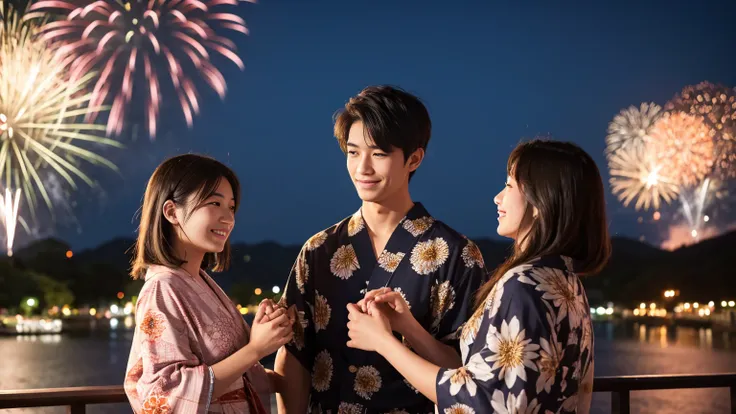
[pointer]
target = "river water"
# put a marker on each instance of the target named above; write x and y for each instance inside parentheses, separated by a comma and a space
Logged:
(620, 349)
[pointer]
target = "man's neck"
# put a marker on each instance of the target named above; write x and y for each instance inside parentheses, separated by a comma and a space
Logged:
(381, 218)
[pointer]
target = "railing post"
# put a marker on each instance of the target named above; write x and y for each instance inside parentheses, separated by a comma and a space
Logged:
(77, 409)
(620, 402)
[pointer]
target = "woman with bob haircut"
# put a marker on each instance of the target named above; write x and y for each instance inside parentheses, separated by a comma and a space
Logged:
(192, 351)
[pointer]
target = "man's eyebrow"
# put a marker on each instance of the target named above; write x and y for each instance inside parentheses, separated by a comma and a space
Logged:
(373, 147)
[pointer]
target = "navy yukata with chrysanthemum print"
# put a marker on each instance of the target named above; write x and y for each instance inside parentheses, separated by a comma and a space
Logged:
(436, 269)
(529, 349)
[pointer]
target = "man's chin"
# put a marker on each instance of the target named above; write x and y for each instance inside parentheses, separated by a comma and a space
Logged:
(370, 196)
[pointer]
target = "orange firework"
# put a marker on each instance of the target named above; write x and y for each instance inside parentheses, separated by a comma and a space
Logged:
(683, 146)
(716, 104)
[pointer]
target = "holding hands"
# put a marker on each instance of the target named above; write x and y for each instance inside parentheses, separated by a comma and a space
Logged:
(393, 305)
(367, 330)
(272, 328)
(373, 318)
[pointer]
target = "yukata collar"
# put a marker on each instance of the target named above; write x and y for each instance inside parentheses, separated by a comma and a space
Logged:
(558, 262)
(416, 212)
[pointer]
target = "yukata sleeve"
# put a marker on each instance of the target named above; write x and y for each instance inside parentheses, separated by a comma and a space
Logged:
(452, 299)
(508, 373)
(297, 292)
(164, 374)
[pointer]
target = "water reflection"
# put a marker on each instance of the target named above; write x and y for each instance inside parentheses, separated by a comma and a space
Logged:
(663, 337)
(44, 339)
(621, 348)
(726, 340)
(627, 348)
(666, 335)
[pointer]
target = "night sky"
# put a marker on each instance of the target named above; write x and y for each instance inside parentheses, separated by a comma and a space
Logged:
(489, 75)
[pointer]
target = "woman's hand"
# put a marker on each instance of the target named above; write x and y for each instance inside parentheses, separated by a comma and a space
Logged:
(270, 331)
(395, 308)
(271, 307)
(368, 331)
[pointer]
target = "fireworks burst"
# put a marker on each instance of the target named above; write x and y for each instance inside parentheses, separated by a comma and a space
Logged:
(125, 39)
(683, 147)
(635, 175)
(40, 111)
(9, 212)
(716, 105)
(686, 153)
(631, 127)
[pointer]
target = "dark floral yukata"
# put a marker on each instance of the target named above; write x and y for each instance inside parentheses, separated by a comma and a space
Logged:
(530, 349)
(437, 271)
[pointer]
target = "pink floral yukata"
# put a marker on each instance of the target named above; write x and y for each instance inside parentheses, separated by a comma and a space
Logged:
(184, 325)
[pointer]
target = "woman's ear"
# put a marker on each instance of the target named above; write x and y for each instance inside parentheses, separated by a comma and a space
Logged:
(170, 212)
(535, 212)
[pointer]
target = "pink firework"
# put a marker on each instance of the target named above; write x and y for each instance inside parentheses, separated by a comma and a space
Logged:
(138, 43)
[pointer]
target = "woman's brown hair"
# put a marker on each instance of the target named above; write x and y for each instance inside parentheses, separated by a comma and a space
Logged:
(183, 179)
(563, 183)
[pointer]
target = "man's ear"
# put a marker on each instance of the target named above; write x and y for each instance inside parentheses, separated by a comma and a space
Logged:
(415, 159)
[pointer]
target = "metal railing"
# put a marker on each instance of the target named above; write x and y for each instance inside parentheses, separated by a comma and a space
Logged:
(77, 398)
(620, 388)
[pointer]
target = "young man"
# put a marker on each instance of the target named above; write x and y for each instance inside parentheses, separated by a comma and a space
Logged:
(391, 241)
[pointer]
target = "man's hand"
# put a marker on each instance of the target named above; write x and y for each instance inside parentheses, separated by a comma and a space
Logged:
(392, 305)
(368, 331)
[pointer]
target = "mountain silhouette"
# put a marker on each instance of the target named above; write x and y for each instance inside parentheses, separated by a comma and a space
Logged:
(636, 272)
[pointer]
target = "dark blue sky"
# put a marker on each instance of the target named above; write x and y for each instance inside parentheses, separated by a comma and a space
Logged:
(490, 76)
